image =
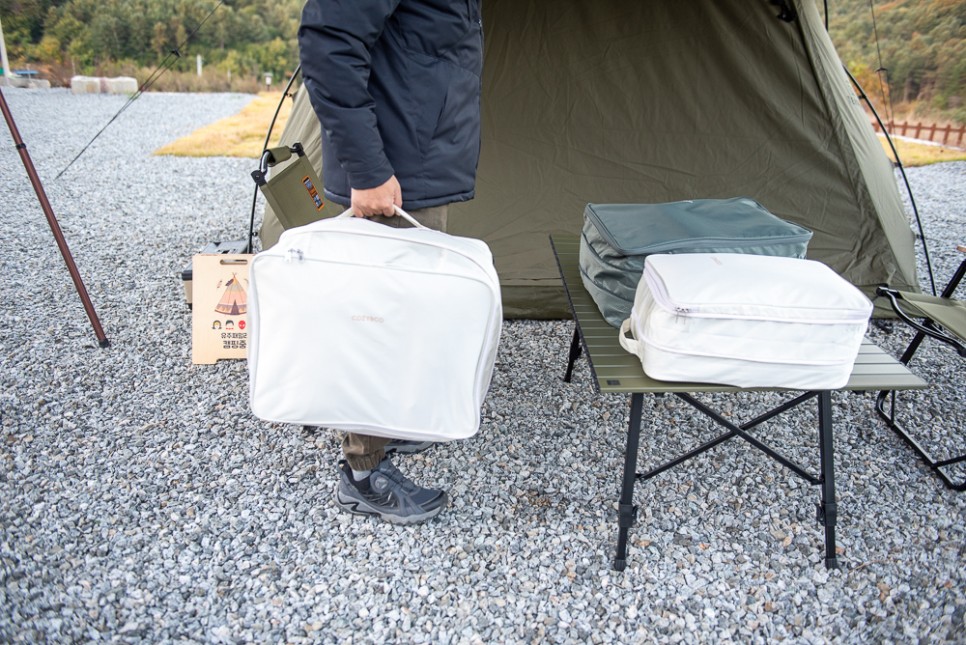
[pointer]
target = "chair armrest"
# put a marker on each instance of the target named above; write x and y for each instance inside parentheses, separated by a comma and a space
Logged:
(927, 327)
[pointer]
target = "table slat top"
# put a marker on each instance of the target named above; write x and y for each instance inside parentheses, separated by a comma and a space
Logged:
(617, 370)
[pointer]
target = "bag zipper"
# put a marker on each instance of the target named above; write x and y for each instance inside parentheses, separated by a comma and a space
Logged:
(663, 300)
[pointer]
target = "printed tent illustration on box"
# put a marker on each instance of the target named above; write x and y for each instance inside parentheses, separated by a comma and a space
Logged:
(644, 101)
(234, 302)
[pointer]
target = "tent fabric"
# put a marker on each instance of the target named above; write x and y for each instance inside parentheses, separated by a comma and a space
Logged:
(623, 101)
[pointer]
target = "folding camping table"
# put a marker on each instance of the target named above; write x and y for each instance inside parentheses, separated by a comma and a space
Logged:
(617, 371)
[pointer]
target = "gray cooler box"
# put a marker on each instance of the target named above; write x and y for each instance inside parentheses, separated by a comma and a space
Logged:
(617, 238)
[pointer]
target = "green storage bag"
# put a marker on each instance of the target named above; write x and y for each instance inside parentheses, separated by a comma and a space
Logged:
(616, 239)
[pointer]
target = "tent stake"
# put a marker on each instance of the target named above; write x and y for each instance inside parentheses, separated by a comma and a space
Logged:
(52, 221)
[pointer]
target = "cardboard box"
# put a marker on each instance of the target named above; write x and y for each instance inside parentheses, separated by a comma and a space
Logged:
(187, 274)
(219, 317)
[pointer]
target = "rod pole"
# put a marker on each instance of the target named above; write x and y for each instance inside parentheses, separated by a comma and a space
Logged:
(52, 221)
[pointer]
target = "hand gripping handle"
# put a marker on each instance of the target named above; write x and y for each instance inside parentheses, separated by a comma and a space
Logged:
(400, 212)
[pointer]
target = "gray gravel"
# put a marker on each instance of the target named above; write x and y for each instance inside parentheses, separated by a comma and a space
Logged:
(141, 501)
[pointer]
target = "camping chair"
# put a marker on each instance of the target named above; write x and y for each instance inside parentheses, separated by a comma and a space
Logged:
(944, 319)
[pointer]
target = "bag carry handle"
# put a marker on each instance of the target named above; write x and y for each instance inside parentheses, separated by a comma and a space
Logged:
(629, 344)
(400, 212)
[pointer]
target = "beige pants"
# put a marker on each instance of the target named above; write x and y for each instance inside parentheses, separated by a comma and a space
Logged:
(364, 452)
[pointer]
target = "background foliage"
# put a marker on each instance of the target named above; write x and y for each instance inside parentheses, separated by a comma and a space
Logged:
(922, 43)
(243, 39)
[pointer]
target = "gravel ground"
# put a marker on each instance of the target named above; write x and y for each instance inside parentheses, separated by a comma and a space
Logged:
(141, 501)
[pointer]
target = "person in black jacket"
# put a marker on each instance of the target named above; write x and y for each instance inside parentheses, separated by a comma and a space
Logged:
(396, 87)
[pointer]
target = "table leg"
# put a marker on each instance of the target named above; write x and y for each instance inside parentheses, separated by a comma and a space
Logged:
(574, 354)
(626, 511)
(827, 510)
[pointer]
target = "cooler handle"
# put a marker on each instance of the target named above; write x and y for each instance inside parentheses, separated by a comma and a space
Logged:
(400, 212)
(630, 344)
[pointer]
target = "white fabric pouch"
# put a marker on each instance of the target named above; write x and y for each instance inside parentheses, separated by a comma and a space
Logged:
(746, 320)
(366, 328)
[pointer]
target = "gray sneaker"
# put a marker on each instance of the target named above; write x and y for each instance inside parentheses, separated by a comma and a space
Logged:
(404, 447)
(389, 494)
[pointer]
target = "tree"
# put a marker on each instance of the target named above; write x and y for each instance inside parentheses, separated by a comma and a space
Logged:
(918, 45)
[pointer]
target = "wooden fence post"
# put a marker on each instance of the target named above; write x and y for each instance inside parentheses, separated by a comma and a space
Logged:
(928, 132)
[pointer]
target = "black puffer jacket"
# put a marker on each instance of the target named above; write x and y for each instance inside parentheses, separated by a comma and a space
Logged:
(396, 86)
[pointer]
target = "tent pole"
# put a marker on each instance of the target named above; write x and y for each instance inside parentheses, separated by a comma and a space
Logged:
(52, 221)
(268, 139)
(902, 171)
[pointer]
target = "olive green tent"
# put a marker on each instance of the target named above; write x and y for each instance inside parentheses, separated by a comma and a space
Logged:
(618, 101)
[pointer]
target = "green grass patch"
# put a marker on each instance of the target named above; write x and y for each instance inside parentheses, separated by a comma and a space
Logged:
(915, 154)
(243, 134)
(240, 135)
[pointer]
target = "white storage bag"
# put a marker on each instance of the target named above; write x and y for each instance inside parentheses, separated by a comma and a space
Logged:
(746, 320)
(367, 328)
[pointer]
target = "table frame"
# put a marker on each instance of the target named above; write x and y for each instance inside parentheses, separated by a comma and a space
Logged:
(617, 371)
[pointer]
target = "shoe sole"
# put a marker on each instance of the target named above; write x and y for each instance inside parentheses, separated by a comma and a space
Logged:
(409, 450)
(357, 507)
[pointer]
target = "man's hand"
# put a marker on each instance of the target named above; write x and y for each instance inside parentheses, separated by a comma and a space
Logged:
(378, 200)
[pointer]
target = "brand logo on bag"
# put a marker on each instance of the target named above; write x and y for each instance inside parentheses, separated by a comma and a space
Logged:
(368, 319)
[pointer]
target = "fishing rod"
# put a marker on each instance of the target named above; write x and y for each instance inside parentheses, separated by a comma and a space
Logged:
(165, 64)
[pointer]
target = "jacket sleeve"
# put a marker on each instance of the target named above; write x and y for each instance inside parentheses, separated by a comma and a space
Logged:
(335, 39)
